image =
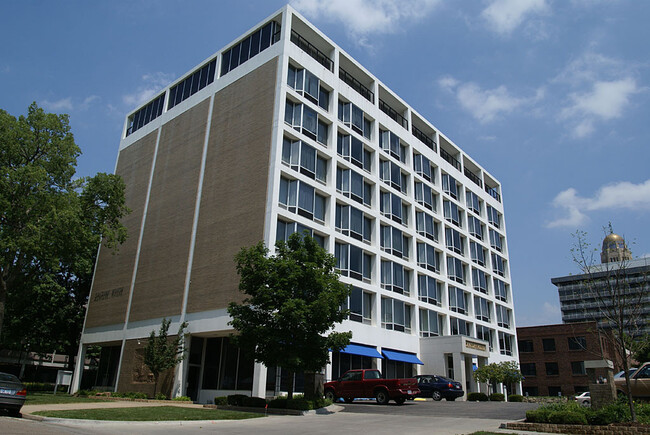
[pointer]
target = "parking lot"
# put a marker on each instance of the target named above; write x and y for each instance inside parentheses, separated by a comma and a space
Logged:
(458, 409)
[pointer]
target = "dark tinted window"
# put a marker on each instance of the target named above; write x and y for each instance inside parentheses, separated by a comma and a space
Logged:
(548, 344)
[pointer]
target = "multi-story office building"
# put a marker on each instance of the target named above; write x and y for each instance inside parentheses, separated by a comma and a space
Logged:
(584, 297)
(282, 131)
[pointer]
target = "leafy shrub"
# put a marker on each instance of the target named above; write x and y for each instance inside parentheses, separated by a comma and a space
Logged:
(130, 395)
(254, 402)
(221, 400)
(497, 397)
(299, 403)
(515, 398)
(278, 403)
(567, 417)
(236, 399)
(477, 397)
(44, 386)
(539, 415)
(86, 393)
(182, 399)
(161, 396)
(612, 413)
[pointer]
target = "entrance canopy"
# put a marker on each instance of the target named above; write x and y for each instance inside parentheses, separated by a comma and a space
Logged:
(395, 355)
(357, 349)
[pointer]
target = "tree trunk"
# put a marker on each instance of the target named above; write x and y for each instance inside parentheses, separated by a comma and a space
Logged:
(3, 300)
(155, 385)
(291, 384)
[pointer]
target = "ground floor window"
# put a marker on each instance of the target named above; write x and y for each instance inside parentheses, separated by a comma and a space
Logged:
(342, 362)
(396, 369)
(531, 391)
(279, 377)
(554, 391)
(106, 375)
(226, 367)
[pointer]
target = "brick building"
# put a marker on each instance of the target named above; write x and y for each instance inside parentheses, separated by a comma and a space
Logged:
(552, 357)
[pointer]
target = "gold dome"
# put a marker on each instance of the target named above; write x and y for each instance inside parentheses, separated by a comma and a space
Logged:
(614, 249)
(613, 241)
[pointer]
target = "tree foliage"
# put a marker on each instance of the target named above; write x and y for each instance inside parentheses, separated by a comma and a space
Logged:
(618, 306)
(506, 372)
(294, 298)
(163, 353)
(51, 224)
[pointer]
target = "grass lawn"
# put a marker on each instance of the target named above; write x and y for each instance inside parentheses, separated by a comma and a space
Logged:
(42, 398)
(153, 413)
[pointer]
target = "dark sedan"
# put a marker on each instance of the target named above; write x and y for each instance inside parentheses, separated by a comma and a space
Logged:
(12, 394)
(438, 387)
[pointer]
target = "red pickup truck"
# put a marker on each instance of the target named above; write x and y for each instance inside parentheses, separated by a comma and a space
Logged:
(369, 383)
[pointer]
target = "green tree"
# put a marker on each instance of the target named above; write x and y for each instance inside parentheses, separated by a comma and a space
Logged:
(506, 372)
(50, 227)
(641, 348)
(294, 298)
(163, 353)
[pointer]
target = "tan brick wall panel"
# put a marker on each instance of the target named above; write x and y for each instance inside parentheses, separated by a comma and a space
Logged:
(161, 272)
(110, 293)
(237, 161)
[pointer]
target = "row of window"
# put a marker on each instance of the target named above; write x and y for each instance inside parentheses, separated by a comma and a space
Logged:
(553, 368)
(548, 344)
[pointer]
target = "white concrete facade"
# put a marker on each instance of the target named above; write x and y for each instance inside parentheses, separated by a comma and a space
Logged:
(451, 316)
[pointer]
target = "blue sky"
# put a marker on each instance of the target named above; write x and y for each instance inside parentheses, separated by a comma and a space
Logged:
(551, 97)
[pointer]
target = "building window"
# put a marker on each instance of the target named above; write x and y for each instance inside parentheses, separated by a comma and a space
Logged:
(299, 197)
(391, 144)
(352, 150)
(481, 309)
(505, 343)
(485, 333)
(531, 391)
(352, 185)
(457, 300)
(455, 269)
(360, 304)
(307, 84)
(450, 186)
(495, 240)
(477, 253)
(394, 241)
(353, 222)
(304, 159)
(475, 227)
(578, 368)
(250, 46)
(552, 369)
(147, 114)
(554, 391)
(498, 264)
(459, 326)
(451, 213)
(429, 323)
(395, 278)
(526, 346)
(392, 206)
(425, 225)
(428, 257)
(503, 316)
(425, 196)
(528, 369)
(193, 83)
(548, 344)
(285, 229)
(391, 174)
(226, 367)
(352, 261)
(429, 289)
(305, 120)
(352, 116)
(423, 167)
(395, 315)
(479, 280)
(500, 290)
(494, 217)
(473, 202)
(577, 343)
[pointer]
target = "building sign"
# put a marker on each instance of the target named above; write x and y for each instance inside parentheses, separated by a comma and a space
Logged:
(475, 346)
(108, 294)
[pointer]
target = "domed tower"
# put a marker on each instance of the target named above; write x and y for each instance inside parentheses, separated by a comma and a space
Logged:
(614, 249)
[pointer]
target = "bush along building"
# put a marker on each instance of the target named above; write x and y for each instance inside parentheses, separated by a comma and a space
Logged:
(282, 131)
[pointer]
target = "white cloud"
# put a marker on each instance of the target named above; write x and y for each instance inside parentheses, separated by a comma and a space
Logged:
(153, 83)
(606, 100)
(485, 104)
(57, 106)
(616, 196)
(365, 17)
(504, 16)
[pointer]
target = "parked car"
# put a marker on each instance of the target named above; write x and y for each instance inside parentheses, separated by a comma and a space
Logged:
(355, 384)
(12, 393)
(639, 383)
(583, 399)
(621, 374)
(439, 387)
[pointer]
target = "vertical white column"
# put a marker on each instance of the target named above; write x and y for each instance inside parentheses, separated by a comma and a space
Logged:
(259, 380)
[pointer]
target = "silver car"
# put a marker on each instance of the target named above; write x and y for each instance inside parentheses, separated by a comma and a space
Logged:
(12, 394)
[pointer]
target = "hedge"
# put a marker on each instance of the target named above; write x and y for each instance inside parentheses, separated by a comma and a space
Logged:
(477, 397)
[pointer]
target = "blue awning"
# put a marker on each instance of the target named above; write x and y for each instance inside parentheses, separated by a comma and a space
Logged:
(357, 349)
(402, 356)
